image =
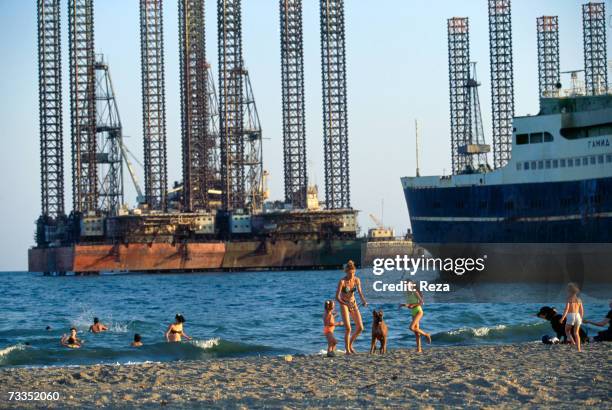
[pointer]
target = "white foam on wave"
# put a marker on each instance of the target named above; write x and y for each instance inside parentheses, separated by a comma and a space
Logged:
(7, 350)
(477, 331)
(323, 352)
(85, 319)
(207, 344)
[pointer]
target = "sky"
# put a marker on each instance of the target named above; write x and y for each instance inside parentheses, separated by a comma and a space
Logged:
(397, 71)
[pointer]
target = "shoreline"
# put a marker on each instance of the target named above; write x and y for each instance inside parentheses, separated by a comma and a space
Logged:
(527, 374)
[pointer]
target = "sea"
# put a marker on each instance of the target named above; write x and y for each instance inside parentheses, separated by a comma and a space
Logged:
(231, 315)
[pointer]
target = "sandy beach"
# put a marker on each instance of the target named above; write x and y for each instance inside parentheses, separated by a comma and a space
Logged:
(488, 376)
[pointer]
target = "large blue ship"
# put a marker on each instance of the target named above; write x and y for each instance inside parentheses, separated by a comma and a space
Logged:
(545, 215)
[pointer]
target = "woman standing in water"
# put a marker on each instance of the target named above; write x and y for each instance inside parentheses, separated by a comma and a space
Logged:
(175, 330)
(345, 295)
(414, 302)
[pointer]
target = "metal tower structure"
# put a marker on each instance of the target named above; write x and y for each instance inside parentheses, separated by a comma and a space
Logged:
(294, 134)
(82, 105)
(253, 158)
(50, 110)
(335, 121)
(213, 129)
(229, 22)
(194, 105)
(502, 79)
(153, 103)
(459, 77)
(548, 55)
(108, 140)
(595, 55)
(477, 138)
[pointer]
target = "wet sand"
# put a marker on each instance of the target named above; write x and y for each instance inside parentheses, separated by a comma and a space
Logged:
(525, 375)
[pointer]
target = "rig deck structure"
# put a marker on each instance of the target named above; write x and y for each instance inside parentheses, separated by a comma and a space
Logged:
(215, 218)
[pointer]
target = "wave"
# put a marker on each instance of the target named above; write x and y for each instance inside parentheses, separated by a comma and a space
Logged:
(207, 344)
(7, 351)
(155, 352)
(522, 332)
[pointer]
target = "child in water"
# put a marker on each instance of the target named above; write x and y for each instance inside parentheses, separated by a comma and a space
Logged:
(72, 341)
(574, 312)
(137, 341)
(329, 324)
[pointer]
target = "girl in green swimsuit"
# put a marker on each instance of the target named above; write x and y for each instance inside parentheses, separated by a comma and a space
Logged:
(414, 302)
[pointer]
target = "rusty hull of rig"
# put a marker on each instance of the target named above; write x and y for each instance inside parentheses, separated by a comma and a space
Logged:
(190, 242)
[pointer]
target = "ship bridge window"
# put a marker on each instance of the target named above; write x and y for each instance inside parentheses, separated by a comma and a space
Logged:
(526, 166)
(522, 139)
(609, 158)
(535, 138)
(587, 132)
(562, 163)
(600, 159)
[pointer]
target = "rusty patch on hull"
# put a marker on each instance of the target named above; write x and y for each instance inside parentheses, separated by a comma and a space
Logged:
(163, 257)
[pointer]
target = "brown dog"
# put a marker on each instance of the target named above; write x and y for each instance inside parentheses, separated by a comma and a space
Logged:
(379, 332)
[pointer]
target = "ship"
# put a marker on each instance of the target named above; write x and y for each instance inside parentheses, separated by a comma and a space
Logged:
(546, 215)
(382, 243)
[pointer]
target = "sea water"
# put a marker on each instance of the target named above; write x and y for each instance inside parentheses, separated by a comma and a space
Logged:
(227, 314)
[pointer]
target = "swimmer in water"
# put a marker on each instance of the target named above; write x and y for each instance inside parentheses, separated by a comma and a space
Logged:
(137, 341)
(71, 341)
(175, 330)
(97, 327)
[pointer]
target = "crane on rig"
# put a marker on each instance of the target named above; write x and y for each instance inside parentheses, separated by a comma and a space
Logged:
(140, 198)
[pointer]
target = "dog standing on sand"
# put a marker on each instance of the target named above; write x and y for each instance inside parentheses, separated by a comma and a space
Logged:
(379, 332)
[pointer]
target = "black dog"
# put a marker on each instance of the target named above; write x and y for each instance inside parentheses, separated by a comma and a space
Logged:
(550, 314)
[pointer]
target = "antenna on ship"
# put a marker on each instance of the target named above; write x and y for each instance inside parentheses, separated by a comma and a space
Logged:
(416, 131)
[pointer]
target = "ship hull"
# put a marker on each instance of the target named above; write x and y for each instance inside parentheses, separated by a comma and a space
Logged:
(554, 230)
(194, 257)
(586, 264)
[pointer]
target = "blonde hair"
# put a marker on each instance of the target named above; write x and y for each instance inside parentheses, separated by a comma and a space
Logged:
(350, 267)
(573, 288)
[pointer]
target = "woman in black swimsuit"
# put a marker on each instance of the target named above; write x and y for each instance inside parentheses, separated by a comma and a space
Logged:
(345, 295)
(175, 330)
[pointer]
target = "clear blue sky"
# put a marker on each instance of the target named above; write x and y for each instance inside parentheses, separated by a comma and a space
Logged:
(397, 71)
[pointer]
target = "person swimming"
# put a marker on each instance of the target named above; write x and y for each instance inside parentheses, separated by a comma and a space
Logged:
(71, 341)
(97, 327)
(414, 302)
(137, 341)
(175, 330)
(345, 295)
